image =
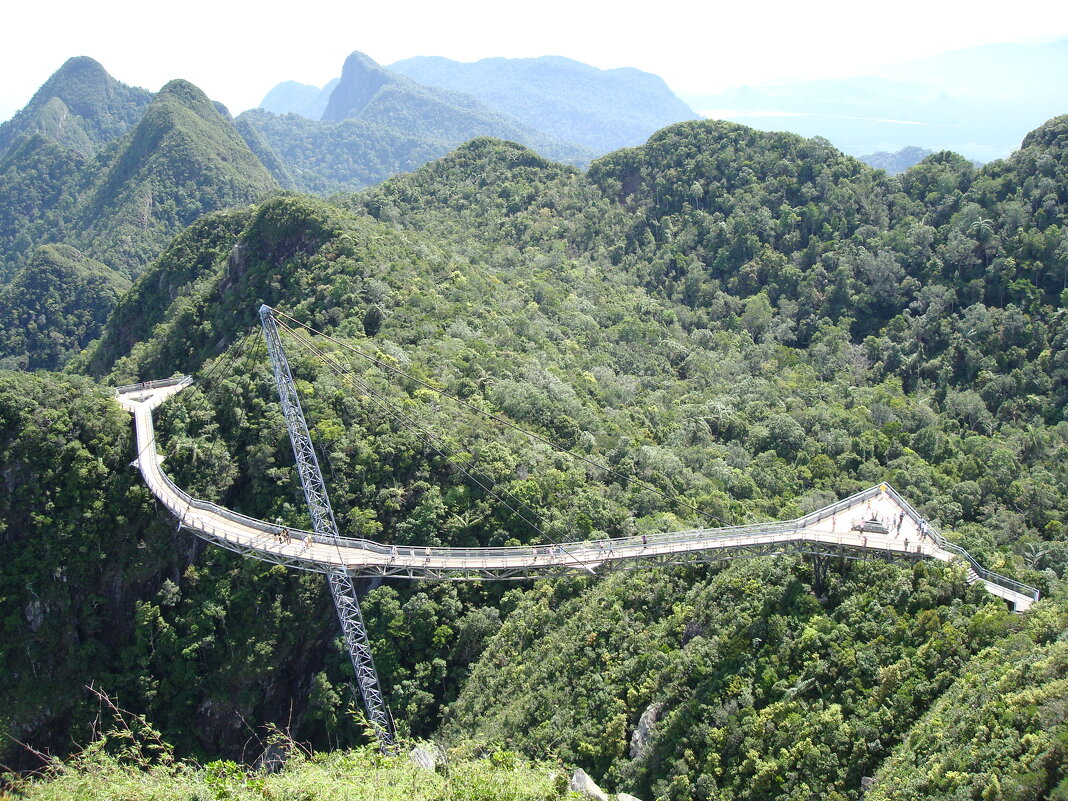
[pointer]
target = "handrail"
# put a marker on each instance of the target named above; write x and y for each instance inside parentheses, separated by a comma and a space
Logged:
(986, 575)
(157, 384)
(634, 543)
(617, 548)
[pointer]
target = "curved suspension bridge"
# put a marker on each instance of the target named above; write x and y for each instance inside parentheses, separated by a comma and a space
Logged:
(874, 523)
(831, 531)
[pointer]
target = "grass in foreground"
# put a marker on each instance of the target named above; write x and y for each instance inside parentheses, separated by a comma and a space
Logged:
(358, 775)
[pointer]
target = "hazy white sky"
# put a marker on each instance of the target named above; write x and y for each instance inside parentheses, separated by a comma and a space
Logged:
(237, 51)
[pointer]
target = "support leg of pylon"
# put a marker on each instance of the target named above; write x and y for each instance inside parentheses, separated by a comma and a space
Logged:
(359, 648)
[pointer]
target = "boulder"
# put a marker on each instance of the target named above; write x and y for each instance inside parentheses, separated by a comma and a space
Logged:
(582, 784)
(426, 758)
(626, 797)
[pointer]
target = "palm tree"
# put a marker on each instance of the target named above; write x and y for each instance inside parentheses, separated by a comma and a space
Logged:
(1033, 554)
(981, 226)
(983, 230)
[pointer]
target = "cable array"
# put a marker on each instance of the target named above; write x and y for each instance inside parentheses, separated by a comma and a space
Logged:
(669, 496)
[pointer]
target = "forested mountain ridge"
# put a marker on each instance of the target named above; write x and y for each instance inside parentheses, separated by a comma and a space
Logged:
(743, 344)
(80, 107)
(184, 158)
(179, 157)
(118, 207)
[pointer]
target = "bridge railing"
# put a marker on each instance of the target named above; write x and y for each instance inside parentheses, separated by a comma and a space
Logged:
(157, 384)
(636, 544)
(986, 575)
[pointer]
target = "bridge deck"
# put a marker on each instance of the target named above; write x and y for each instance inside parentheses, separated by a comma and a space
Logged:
(828, 531)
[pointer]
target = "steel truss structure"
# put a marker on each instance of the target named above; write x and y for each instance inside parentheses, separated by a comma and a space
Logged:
(325, 527)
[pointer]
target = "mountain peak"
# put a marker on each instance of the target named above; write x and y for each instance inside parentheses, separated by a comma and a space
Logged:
(80, 67)
(182, 145)
(1051, 133)
(95, 108)
(188, 96)
(361, 78)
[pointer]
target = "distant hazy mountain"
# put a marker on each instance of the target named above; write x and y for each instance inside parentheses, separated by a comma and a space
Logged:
(378, 123)
(80, 107)
(979, 102)
(291, 97)
(895, 163)
(602, 109)
(1023, 71)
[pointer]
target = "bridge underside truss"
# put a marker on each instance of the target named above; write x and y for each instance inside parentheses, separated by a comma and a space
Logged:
(874, 523)
(478, 570)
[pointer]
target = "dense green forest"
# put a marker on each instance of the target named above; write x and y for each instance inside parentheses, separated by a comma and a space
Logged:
(76, 223)
(182, 159)
(54, 307)
(752, 323)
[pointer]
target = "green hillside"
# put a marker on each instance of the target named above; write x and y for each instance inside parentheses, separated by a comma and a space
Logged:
(95, 775)
(750, 324)
(39, 183)
(54, 307)
(180, 158)
(754, 688)
(119, 207)
(80, 107)
(183, 159)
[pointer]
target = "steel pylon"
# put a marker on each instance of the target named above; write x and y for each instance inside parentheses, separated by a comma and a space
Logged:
(325, 527)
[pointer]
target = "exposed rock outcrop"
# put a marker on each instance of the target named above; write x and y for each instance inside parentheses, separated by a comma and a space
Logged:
(425, 757)
(582, 784)
(639, 741)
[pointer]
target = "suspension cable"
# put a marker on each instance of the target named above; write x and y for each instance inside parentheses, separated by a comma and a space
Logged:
(671, 497)
(379, 400)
